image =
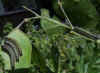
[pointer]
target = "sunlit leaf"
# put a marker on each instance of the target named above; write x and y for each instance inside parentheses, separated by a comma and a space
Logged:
(24, 44)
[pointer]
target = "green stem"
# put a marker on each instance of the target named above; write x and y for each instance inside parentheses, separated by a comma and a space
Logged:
(66, 16)
(82, 32)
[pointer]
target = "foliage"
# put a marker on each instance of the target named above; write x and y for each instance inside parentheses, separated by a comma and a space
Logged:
(20, 42)
(7, 28)
(81, 12)
(55, 50)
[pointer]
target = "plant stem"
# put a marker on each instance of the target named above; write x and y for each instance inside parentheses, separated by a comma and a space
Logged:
(82, 32)
(21, 23)
(66, 16)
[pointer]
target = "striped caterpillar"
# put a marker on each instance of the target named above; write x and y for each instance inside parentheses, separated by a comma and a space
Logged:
(12, 49)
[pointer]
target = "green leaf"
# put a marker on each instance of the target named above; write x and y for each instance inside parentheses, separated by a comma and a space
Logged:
(24, 44)
(39, 61)
(80, 12)
(50, 25)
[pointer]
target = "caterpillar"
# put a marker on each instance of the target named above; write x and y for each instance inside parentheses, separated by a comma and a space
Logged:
(9, 51)
(12, 49)
(14, 44)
